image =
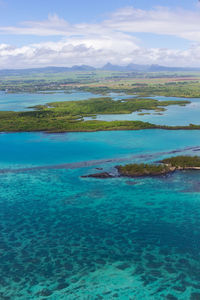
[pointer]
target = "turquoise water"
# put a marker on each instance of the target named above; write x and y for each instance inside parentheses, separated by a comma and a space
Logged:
(21, 101)
(37, 149)
(173, 116)
(65, 237)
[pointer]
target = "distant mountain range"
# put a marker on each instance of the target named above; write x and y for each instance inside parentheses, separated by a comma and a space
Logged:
(85, 68)
(144, 68)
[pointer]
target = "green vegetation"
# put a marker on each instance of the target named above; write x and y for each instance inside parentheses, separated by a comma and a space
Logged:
(137, 170)
(167, 165)
(183, 161)
(54, 122)
(68, 116)
(187, 89)
(177, 84)
(107, 106)
(47, 81)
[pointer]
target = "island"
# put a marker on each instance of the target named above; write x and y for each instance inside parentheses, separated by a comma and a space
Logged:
(183, 162)
(143, 170)
(68, 116)
(164, 167)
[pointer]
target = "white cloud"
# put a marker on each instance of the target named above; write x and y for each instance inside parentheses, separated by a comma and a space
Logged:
(67, 53)
(50, 27)
(161, 20)
(111, 40)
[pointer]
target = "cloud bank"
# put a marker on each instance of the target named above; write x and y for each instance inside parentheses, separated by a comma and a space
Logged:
(111, 40)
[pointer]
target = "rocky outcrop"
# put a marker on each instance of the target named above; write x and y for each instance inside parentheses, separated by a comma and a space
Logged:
(102, 175)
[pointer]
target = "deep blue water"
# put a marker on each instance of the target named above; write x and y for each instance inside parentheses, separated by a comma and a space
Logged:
(65, 237)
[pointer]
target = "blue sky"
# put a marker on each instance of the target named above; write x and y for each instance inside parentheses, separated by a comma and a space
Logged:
(63, 32)
(15, 11)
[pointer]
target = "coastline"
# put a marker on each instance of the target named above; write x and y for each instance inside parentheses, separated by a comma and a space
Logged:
(161, 168)
(158, 127)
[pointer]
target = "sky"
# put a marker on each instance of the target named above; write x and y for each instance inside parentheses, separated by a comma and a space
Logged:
(44, 33)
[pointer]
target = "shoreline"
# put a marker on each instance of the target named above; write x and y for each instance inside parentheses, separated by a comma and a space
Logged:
(161, 168)
(107, 175)
(174, 128)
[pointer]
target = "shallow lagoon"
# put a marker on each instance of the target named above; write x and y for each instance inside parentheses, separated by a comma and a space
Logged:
(21, 101)
(63, 237)
(174, 115)
(37, 149)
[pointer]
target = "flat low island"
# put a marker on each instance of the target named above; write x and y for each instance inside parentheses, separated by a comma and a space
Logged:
(164, 167)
